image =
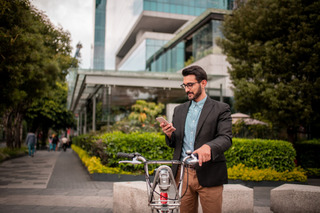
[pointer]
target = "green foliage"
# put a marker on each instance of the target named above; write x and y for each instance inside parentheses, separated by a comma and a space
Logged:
(34, 55)
(189, 61)
(142, 118)
(51, 110)
(308, 153)
(313, 172)
(241, 130)
(263, 154)
(93, 164)
(273, 47)
(265, 160)
(241, 172)
(6, 153)
(151, 145)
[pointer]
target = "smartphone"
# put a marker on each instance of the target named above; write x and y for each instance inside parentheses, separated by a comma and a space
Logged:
(162, 120)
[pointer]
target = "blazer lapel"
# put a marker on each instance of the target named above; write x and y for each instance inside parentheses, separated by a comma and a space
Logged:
(207, 108)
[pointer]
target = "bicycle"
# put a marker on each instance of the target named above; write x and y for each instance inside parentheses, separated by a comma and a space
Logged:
(164, 179)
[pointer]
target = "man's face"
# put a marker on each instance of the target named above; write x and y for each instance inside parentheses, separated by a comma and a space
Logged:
(194, 91)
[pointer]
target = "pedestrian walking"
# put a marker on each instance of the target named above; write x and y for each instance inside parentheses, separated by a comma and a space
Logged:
(31, 141)
(55, 141)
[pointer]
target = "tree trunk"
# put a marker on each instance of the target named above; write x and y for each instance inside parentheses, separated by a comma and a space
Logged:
(45, 132)
(12, 122)
(292, 134)
(17, 130)
(7, 124)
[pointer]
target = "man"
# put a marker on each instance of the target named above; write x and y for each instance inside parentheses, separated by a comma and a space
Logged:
(64, 143)
(31, 141)
(203, 126)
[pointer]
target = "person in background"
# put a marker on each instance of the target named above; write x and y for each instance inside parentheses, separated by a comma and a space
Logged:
(31, 141)
(203, 126)
(64, 143)
(50, 143)
(55, 141)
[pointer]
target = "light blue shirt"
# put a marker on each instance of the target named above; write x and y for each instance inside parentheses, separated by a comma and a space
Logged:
(190, 128)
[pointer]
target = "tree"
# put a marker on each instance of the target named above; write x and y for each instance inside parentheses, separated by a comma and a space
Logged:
(273, 47)
(50, 112)
(33, 56)
(142, 118)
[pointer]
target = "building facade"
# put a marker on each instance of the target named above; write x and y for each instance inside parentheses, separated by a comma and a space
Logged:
(150, 42)
(99, 34)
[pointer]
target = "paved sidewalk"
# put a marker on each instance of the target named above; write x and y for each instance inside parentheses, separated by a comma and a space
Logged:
(58, 182)
(51, 182)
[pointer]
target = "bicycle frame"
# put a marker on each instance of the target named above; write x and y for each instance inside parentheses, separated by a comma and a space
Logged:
(164, 179)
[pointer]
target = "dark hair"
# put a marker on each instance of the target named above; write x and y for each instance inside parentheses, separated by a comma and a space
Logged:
(197, 71)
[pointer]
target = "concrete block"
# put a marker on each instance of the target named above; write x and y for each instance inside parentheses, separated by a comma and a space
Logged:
(237, 198)
(295, 198)
(132, 197)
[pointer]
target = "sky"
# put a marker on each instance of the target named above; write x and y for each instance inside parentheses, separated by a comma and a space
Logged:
(76, 17)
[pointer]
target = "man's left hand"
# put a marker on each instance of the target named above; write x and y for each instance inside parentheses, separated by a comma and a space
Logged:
(204, 154)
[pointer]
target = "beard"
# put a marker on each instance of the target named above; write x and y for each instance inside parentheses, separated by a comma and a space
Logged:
(195, 96)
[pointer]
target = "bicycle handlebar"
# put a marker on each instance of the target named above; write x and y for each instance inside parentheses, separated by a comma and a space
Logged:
(163, 178)
(137, 156)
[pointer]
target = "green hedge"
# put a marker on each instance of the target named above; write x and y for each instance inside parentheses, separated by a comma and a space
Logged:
(106, 146)
(260, 153)
(275, 154)
(308, 153)
(153, 147)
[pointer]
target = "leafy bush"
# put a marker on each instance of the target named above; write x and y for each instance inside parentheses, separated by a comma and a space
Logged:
(7, 153)
(241, 130)
(259, 159)
(93, 164)
(308, 153)
(313, 172)
(242, 172)
(106, 146)
(142, 118)
(151, 145)
(275, 154)
(239, 171)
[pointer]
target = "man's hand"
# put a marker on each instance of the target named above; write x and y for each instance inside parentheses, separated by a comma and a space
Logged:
(168, 129)
(204, 154)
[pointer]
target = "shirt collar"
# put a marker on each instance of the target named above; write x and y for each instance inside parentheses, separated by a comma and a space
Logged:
(199, 103)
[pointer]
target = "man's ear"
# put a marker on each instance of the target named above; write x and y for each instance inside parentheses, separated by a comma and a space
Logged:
(203, 83)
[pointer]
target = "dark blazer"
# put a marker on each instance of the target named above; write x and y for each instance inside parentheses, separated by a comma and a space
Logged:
(214, 129)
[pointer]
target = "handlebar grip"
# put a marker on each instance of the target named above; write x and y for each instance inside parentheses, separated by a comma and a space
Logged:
(125, 155)
(196, 155)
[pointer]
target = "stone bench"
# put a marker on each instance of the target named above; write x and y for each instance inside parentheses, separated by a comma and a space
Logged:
(132, 197)
(295, 198)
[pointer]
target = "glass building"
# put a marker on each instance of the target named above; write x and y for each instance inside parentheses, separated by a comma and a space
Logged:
(99, 34)
(186, 50)
(156, 23)
(146, 45)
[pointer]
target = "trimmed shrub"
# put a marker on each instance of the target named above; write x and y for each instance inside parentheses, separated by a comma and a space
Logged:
(93, 164)
(151, 145)
(262, 154)
(308, 153)
(242, 172)
(258, 159)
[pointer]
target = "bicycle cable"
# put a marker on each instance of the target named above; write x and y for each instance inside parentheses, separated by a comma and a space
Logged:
(154, 191)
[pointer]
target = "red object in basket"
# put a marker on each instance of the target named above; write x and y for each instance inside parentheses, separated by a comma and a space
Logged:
(163, 197)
